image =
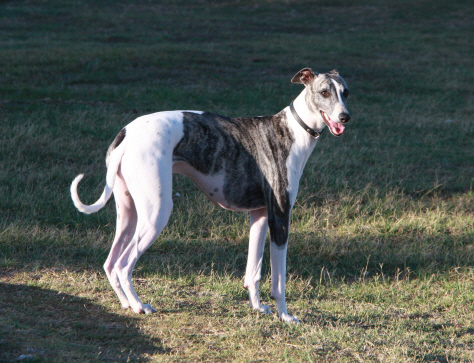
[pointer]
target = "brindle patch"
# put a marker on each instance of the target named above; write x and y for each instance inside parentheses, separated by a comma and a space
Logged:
(252, 153)
(117, 141)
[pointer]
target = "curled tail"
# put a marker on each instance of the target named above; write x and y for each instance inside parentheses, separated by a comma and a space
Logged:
(113, 165)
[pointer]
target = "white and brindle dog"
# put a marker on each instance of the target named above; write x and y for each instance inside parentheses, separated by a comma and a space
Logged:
(243, 164)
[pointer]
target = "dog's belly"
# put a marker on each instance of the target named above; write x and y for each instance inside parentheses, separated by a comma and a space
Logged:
(211, 185)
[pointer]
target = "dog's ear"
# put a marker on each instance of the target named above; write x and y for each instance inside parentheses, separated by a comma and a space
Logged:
(305, 76)
(334, 71)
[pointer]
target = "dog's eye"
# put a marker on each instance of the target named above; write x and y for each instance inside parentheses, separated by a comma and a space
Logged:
(345, 93)
(325, 93)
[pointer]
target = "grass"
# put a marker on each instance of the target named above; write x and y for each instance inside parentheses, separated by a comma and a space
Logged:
(381, 250)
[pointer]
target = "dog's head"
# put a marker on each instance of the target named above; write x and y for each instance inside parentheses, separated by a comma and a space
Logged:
(326, 96)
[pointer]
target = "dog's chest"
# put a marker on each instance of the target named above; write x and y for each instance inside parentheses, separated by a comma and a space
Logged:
(239, 163)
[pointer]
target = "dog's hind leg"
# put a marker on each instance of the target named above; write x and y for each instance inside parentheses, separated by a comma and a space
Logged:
(152, 194)
(125, 230)
(258, 234)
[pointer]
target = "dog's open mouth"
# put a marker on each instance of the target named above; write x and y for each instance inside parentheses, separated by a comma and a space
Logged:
(336, 128)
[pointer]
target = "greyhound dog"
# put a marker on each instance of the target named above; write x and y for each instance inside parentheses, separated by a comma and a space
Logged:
(249, 164)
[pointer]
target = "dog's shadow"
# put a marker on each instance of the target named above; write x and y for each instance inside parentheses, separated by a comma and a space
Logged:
(47, 325)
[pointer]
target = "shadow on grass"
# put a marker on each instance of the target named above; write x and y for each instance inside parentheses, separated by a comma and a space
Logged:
(46, 325)
(345, 257)
(350, 257)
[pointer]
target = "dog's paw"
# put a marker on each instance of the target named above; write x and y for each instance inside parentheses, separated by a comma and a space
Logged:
(264, 309)
(144, 309)
(289, 319)
(148, 309)
(125, 303)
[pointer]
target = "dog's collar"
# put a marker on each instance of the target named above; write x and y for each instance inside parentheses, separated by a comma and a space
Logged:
(308, 129)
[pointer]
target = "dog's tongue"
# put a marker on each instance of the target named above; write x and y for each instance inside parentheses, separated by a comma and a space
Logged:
(336, 128)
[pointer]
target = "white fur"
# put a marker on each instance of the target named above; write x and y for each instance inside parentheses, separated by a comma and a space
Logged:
(109, 183)
(258, 234)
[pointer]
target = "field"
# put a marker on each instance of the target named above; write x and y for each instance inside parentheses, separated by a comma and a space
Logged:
(381, 251)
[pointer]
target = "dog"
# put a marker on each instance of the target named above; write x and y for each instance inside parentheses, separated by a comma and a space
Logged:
(251, 164)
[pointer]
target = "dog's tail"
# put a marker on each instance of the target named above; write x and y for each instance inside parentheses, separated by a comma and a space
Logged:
(114, 163)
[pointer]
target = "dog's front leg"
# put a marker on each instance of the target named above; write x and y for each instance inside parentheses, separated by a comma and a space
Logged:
(278, 261)
(279, 224)
(258, 234)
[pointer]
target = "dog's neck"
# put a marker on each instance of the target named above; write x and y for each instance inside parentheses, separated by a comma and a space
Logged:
(311, 118)
(304, 143)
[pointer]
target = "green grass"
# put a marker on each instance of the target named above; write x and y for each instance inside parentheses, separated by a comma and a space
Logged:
(381, 252)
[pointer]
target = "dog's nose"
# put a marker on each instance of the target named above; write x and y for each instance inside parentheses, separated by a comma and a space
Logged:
(344, 117)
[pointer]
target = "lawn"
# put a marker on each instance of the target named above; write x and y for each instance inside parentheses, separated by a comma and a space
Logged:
(381, 250)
